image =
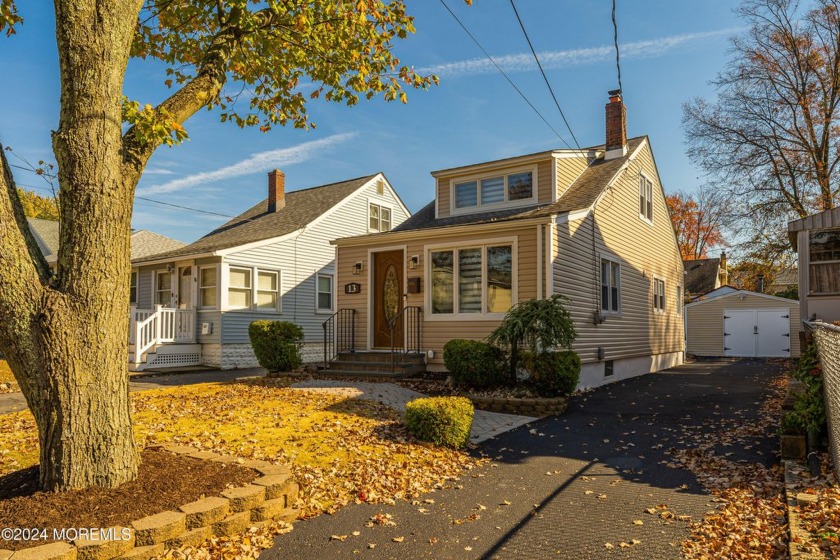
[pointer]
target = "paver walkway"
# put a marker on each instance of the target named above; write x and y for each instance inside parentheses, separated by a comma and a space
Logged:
(564, 486)
(485, 424)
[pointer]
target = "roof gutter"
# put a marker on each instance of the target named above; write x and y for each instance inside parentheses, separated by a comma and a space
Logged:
(445, 231)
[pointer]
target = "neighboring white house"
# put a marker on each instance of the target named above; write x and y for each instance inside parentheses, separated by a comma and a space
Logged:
(193, 305)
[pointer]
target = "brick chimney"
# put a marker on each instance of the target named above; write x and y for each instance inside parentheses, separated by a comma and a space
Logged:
(616, 143)
(276, 190)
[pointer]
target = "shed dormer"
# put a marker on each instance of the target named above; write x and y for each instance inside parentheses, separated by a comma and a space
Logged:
(499, 185)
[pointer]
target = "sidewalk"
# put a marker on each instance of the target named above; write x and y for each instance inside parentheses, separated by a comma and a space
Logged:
(485, 424)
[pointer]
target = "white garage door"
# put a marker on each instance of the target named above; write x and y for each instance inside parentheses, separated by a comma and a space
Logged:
(751, 333)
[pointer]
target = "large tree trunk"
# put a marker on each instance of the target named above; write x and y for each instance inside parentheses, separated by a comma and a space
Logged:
(65, 335)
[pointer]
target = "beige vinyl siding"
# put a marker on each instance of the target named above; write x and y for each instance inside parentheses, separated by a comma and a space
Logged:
(300, 259)
(544, 184)
(568, 169)
(435, 333)
(704, 321)
(644, 251)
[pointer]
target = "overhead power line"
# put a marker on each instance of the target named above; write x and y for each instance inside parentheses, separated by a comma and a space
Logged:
(503, 73)
(615, 40)
(539, 65)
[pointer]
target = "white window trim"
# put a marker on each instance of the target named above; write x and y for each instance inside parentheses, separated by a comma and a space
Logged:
(680, 303)
(217, 286)
(642, 216)
(656, 309)
(477, 177)
(254, 289)
(456, 315)
(381, 205)
(616, 261)
(320, 310)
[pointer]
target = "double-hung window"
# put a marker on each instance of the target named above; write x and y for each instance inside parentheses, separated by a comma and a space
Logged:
(380, 217)
(324, 292)
(239, 288)
(658, 295)
(132, 288)
(610, 286)
(645, 198)
(824, 266)
(163, 288)
(495, 190)
(268, 284)
(208, 294)
(471, 281)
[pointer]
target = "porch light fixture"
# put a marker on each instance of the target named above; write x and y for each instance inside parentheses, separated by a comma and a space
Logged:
(357, 268)
(169, 268)
(413, 262)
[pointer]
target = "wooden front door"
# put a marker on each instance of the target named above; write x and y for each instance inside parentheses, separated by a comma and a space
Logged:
(387, 297)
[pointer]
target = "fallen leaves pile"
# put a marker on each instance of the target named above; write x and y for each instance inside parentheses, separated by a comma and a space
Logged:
(339, 450)
(821, 517)
(7, 380)
(248, 544)
(749, 520)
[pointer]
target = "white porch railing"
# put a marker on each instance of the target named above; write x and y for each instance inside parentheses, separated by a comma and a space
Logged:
(160, 325)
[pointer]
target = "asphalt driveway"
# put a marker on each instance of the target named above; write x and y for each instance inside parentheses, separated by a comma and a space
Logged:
(562, 487)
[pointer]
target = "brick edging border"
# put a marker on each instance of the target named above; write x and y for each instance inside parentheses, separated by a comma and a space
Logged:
(524, 406)
(269, 498)
(800, 539)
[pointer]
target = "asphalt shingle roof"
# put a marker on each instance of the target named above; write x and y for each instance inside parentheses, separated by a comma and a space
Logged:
(256, 224)
(46, 234)
(144, 243)
(581, 195)
(701, 275)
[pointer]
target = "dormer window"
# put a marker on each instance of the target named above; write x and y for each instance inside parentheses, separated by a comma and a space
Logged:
(493, 191)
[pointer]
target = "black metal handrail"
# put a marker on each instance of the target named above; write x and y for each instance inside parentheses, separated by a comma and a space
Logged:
(339, 334)
(409, 317)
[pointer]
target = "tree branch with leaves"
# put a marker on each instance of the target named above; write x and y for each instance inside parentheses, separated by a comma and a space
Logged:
(63, 331)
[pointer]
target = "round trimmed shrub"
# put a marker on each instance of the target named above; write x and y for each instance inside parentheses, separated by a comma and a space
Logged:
(472, 363)
(443, 421)
(276, 344)
(555, 374)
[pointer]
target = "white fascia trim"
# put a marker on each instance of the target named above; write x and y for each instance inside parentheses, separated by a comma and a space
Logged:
(411, 235)
(790, 302)
(621, 171)
(173, 260)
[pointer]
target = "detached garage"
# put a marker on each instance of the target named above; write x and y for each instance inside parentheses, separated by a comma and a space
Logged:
(745, 324)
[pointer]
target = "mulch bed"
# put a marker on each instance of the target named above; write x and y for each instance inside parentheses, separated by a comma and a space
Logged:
(165, 482)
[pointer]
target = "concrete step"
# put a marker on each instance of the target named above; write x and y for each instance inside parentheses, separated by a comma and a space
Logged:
(379, 357)
(365, 375)
(385, 366)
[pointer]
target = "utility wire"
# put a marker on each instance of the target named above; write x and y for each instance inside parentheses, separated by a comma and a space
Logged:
(502, 72)
(615, 40)
(144, 199)
(539, 65)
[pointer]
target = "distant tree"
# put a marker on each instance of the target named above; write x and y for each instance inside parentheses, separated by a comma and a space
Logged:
(698, 220)
(63, 331)
(772, 137)
(37, 206)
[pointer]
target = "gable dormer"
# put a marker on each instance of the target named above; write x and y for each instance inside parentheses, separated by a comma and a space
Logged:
(510, 183)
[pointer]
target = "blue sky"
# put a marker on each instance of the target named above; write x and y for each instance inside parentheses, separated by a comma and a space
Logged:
(670, 51)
